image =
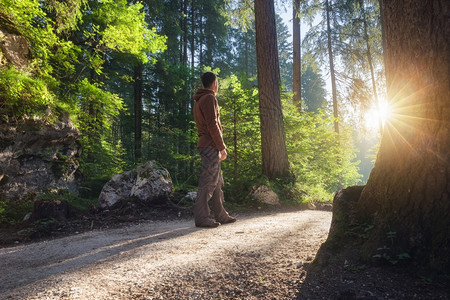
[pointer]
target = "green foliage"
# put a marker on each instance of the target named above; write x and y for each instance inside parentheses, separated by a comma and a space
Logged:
(320, 159)
(100, 158)
(84, 54)
(361, 231)
(74, 201)
(240, 117)
(13, 212)
(67, 39)
(40, 226)
(388, 254)
(284, 53)
(119, 26)
(21, 94)
(313, 89)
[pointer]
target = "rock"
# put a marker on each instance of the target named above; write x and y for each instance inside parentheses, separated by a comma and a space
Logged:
(15, 49)
(117, 189)
(265, 195)
(152, 183)
(147, 183)
(311, 206)
(27, 217)
(191, 197)
(37, 156)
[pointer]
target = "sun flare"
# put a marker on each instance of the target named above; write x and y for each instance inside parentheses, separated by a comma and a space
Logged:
(377, 115)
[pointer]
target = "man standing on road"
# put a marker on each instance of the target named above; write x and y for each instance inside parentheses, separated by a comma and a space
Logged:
(212, 151)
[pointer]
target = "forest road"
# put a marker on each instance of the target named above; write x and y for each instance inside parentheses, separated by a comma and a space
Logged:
(261, 256)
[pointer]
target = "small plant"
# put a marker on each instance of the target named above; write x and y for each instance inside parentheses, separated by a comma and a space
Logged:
(426, 279)
(13, 212)
(39, 227)
(79, 203)
(360, 231)
(387, 253)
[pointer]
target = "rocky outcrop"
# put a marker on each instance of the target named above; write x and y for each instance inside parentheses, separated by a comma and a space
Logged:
(38, 156)
(14, 48)
(147, 183)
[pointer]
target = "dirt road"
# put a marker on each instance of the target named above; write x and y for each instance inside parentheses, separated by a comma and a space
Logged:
(261, 256)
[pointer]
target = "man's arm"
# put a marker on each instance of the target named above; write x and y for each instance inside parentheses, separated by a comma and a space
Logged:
(211, 114)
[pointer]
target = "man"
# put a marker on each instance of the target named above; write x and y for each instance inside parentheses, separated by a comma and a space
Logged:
(212, 151)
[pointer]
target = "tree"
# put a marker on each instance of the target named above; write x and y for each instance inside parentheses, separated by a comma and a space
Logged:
(313, 89)
(406, 199)
(274, 155)
(361, 49)
(284, 54)
(297, 60)
(332, 72)
(347, 40)
(138, 90)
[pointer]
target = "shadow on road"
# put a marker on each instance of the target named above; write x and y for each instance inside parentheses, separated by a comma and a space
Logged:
(23, 265)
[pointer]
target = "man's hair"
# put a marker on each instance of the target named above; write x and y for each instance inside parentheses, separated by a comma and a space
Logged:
(207, 79)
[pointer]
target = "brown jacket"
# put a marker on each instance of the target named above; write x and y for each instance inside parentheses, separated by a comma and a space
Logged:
(206, 116)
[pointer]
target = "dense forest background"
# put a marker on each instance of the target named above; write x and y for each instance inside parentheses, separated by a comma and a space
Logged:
(125, 72)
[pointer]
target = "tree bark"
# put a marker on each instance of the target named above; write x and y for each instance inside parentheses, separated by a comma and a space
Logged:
(201, 38)
(408, 190)
(274, 154)
(185, 33)
(332, 73)
(297, 61)
(192, 34)
(138, 112)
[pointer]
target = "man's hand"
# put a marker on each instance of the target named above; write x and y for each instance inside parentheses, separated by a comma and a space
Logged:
(223, 154)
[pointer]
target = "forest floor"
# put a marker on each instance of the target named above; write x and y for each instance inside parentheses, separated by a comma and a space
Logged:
(266, 254)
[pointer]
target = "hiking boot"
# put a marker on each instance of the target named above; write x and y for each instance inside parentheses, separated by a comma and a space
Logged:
(229, 219)
(208, 224)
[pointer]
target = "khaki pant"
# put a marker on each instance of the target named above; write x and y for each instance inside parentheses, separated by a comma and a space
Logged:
(210, 188)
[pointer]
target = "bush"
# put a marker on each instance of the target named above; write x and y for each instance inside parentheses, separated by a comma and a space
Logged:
(13, 212)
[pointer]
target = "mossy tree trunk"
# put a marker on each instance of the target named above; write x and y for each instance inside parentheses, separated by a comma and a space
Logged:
(407, 194)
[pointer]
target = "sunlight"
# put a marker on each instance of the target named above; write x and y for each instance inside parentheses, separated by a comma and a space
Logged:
(377, 115)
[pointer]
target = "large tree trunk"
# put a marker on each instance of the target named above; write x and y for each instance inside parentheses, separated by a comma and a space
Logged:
(297, 61)
(332, 74)
(185, 33)
(192, 34)
(138, 112)
(274, 155)
(408, 190)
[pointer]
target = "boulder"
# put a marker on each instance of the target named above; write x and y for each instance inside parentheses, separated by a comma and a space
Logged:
(15, 49)
(265, 195)
(36, 156)
(191, 197)
(117, 189)
(148, 183)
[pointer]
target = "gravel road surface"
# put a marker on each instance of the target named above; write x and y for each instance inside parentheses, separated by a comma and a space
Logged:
(261, 256)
